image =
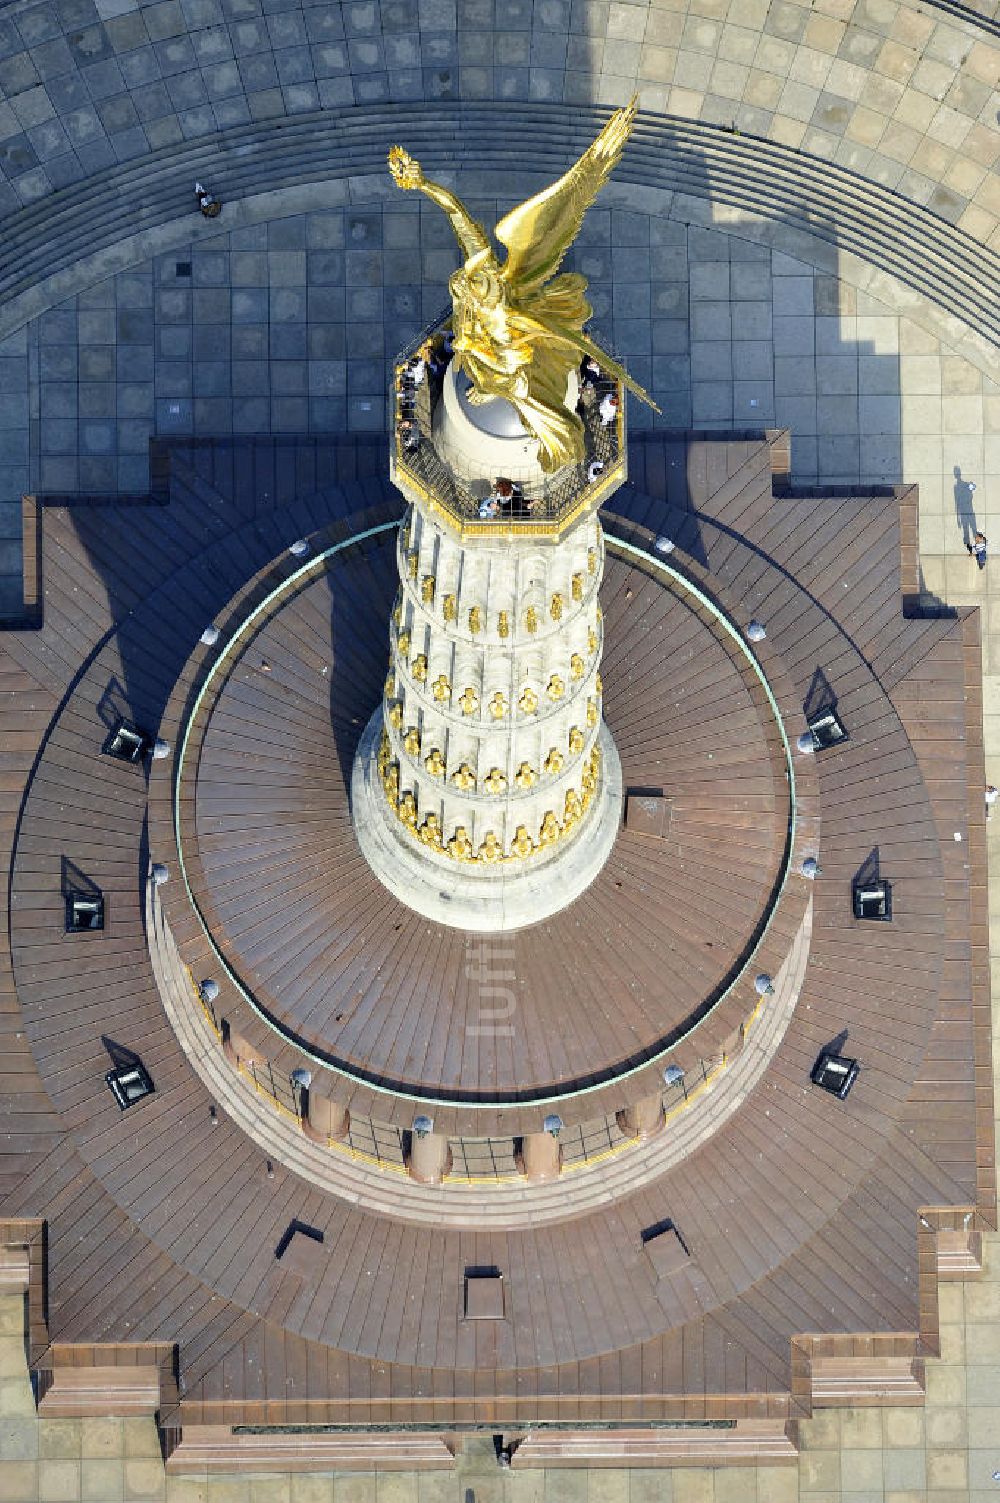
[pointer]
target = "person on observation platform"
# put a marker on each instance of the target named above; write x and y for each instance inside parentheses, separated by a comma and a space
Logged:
(590, 371)
(409, 436)
(416, 370)
(437, 360)
(510, 499)
(609, 408)
(520, 506)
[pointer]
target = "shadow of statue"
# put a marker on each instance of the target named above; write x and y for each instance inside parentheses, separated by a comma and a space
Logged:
(965, 510)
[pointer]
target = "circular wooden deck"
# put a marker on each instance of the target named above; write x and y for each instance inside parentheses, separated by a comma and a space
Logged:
(362, 982)
(800, 1211)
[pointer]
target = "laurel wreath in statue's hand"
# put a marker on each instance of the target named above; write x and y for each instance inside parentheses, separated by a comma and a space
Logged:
(404, 168)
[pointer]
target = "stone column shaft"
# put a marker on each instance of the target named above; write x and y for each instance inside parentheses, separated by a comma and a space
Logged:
(493, 699)
(541, 1157)
(323, 1119)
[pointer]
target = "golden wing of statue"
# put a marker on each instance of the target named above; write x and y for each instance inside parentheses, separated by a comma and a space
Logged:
(539, 232)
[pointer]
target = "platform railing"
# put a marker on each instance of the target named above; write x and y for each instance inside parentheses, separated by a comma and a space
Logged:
(543, 504)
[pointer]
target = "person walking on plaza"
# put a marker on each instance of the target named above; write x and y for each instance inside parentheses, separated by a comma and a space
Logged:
(978, 549)
(209, 205)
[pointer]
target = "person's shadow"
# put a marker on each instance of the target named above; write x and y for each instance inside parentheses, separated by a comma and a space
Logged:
(965, 510)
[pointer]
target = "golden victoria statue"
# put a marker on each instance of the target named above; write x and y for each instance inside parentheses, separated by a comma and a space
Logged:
(518, 328)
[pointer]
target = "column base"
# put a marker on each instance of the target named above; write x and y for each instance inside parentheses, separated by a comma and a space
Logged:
(497, 900)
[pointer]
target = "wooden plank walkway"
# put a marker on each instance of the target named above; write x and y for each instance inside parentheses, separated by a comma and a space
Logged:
(800, 1213)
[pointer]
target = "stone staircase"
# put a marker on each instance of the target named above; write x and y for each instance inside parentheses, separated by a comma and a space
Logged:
(688, 159)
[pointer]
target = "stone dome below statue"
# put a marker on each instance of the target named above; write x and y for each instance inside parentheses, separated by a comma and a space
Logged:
(496, 416)
(481, 441)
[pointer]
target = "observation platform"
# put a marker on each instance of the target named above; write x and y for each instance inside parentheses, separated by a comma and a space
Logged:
(543, 508)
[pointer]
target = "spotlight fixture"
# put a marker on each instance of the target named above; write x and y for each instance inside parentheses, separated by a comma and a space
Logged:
(129, 1084)
(872, 900)
(833, 1073)
(127, 744)
(827, 729)
(84, 912)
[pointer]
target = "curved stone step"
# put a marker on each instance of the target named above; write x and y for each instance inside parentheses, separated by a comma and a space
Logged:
(971, 15)
(749, 164)
(670, 156)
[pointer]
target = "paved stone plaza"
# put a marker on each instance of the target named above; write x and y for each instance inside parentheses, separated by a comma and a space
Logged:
(903, 93)
(903, 96)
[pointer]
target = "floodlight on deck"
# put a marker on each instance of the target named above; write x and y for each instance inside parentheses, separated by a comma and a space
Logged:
(835, 1074)
(872, 900)
(423, 1125)
(827, 729)
(127, 743)
(553, 1124)
(84, 911)
(129, 1084)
